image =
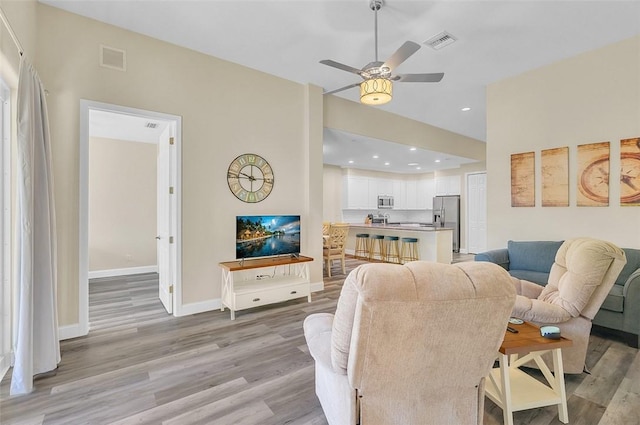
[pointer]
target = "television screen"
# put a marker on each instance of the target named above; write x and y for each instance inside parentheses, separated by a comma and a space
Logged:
(267, 235)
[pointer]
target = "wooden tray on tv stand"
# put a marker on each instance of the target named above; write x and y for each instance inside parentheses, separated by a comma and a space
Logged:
(256, 263)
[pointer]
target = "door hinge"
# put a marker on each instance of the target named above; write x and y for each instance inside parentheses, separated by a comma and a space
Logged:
(171, 289)
(170, 190)
(170, 239)
(171, 140)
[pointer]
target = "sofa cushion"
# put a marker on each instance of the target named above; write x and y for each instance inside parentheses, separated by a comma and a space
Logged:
(537, 256)
(633, 264)
(540, 278)
(615, 300)
(343, 323)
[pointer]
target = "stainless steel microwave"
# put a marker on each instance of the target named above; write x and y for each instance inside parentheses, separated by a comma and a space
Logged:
(385, 201)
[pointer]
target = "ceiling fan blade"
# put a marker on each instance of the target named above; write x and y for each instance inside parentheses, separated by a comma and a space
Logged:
(402, 54)
(341, 66)
(418, 78)
(342, 88)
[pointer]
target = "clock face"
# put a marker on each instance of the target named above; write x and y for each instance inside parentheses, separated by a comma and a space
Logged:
(250, 178)
(629, 177)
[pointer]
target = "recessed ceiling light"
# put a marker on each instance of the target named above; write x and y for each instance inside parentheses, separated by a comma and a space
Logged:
(465, 109)
(437, 160)
(412, 149)
(375, 157)
(386, 163)
(418, 168)
(351, 161)
(412, 164)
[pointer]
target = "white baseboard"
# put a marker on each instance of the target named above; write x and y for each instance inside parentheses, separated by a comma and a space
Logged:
(199, 307)
(122, 272)
(5, 364)
(71, 331)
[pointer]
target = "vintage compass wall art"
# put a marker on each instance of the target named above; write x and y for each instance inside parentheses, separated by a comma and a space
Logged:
(593, 175)
(630, 172)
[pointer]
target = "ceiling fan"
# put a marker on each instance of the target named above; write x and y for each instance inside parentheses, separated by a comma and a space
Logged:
(377, 85)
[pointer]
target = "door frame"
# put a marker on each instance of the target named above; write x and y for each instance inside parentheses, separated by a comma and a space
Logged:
(6, 316)
(468, 206)
(86, 106)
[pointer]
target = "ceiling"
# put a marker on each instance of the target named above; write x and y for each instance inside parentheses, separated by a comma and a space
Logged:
(288, 38)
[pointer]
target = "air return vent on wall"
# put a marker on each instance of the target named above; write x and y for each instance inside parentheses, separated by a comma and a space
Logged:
(113, 58)
(440, 40)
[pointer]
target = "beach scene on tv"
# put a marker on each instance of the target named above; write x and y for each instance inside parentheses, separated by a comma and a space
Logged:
(267, 235)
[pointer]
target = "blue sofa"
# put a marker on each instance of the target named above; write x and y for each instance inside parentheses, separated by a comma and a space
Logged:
(532, 261)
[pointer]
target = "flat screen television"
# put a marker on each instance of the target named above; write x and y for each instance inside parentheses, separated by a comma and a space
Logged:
(267, 235)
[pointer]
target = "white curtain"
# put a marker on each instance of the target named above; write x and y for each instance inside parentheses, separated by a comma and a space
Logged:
(36, 345)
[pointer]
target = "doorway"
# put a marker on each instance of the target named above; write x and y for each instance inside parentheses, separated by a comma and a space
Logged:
(476, 212)
(167, 233)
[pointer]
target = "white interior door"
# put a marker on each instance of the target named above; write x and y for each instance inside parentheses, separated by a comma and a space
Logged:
(164, 213)
(477, 212)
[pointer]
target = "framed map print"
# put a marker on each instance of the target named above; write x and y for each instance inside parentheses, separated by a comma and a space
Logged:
(630, 172)
(523, 180)
(555, 177)
(593, 175)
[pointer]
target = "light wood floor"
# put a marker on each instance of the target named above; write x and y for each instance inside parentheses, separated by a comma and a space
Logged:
(139, 365)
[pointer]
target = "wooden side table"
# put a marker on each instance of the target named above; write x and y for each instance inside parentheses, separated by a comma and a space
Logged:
(512, 389)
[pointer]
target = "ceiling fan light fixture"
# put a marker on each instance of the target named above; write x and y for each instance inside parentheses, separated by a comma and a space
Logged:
(376, 91)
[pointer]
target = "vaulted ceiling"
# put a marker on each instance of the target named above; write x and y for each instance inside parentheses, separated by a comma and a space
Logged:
(494, 40)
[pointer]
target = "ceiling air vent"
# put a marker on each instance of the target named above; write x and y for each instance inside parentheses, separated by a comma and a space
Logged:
(440, 40)
(151, 125)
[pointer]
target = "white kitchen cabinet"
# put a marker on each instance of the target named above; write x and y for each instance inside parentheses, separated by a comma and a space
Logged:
(412, 194)
(424, 194)
(372, 195)
(399, 194)
(384, 186)
(356, 193)
(448, 185)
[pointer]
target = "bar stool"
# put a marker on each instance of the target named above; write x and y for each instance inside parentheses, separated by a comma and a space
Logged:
(362, 245)
(376, 247)
(391, 249)
(409, 251)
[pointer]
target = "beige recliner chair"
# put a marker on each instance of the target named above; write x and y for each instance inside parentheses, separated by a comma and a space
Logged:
(410, 344)
(582, 275)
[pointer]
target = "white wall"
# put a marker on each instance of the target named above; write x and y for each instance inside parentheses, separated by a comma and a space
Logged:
(122, 204)
(590, 98)
(250, 112)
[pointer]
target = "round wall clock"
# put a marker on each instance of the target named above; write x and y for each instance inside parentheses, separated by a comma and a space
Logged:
(594, 180)
(250, 178)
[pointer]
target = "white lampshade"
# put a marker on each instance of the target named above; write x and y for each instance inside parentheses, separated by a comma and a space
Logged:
(376, 91)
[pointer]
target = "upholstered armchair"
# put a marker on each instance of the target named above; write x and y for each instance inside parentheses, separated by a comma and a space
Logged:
(410, 344)
(334, 245)
(580, 279)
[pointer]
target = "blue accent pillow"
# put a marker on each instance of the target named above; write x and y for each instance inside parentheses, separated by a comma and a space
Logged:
(537, 256)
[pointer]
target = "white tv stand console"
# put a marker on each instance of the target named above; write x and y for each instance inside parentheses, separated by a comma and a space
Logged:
(249, 283)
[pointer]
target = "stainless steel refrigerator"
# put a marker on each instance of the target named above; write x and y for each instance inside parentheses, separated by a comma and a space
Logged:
(446, 213)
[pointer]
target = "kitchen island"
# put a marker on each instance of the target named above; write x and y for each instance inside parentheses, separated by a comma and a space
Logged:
(434, 243)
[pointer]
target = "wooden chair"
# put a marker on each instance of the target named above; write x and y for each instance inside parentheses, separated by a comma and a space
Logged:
(334, 245)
